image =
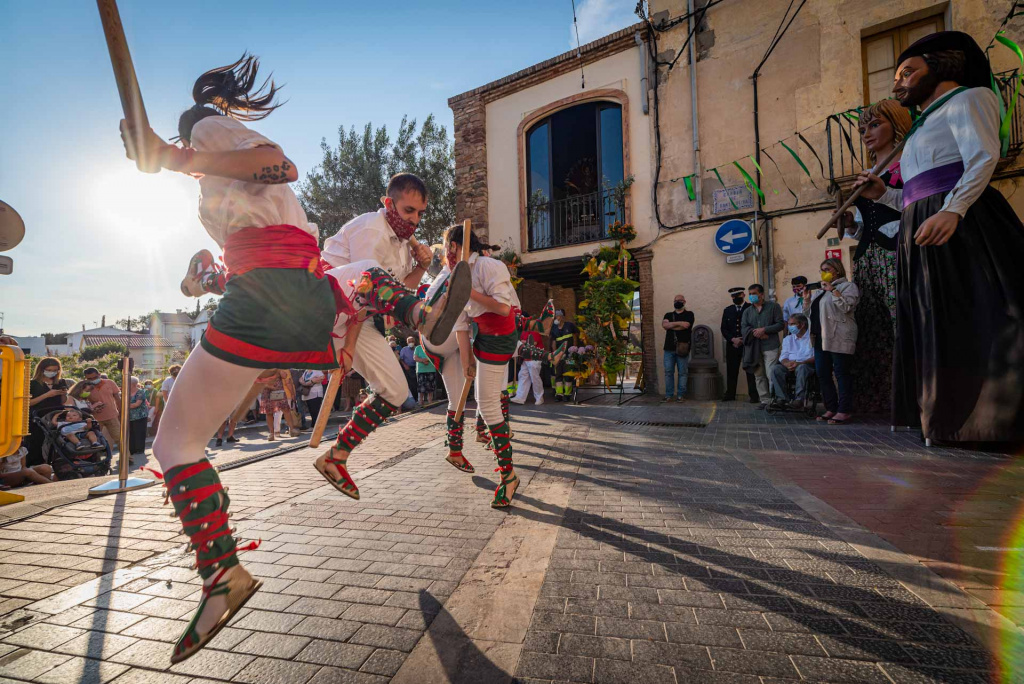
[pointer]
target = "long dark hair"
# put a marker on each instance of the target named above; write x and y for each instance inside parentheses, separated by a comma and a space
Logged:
(232, 91)
(454, 234)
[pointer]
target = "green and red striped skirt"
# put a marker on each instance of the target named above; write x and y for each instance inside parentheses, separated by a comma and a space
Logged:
(274, 314)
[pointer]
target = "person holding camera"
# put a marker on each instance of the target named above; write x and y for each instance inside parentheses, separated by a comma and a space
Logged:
(678, 325)
(831, 307)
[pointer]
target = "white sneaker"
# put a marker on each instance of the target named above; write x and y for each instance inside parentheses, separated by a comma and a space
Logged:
(538, 402)
(517, 401)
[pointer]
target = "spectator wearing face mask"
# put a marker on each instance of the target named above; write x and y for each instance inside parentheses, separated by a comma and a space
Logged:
(795, 304)
(48, 392)
(104, 399)
(407, 359)
(832, 311)
(678, 325)
(732, 333)
(762, 323)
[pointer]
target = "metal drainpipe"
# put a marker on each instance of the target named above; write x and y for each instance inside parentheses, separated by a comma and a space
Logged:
(643, 72)
(698, 186)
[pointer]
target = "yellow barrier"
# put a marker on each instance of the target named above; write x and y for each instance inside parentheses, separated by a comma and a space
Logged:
(14, 398)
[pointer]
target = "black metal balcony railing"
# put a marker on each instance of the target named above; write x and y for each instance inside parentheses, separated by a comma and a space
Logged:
(847, 156)
(573, 220)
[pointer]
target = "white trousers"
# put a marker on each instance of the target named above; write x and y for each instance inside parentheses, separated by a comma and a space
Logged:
(206, 390)
(451, 369)
(529, 376)
(491, 381)
(373, 358)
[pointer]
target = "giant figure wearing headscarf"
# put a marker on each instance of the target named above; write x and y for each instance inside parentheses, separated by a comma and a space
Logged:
(958, 367)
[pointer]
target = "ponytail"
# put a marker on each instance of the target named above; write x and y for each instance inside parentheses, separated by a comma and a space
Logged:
(232, 91)
(454, 234)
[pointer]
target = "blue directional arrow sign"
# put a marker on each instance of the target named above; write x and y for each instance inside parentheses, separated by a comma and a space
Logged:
(733, 236)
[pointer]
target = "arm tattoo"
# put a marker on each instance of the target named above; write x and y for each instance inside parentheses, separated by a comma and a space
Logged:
(274, 175)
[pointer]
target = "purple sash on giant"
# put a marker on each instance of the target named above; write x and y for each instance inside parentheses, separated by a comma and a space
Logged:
(931, 182)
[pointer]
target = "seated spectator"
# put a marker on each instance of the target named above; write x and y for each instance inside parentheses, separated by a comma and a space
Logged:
(797, 357)
(14, 472)
(74, 427)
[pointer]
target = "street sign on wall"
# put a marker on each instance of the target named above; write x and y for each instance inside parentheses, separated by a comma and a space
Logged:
(834, 254)
(733, 236)
(739, 194)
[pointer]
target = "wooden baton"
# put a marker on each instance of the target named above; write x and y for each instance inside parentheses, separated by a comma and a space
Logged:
(333, 384)
(467, 233)
(127, 84)
(879, 167)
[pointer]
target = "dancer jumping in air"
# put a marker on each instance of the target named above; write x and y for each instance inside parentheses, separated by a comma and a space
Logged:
(492, 307)
(276, 311)
(377, 262)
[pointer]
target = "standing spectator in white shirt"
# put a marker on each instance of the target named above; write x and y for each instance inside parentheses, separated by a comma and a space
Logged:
(797, 357)
(795, 304)
(312, 387)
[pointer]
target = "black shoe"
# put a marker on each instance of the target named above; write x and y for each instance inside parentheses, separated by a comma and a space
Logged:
(755, 400)
(728, 398)
(232, 440)
(220, 442)
(761, 407)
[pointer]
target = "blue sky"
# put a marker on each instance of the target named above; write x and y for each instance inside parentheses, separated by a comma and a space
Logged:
(103, 239)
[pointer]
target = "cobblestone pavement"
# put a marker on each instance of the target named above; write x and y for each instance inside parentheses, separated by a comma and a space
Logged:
(634, 552)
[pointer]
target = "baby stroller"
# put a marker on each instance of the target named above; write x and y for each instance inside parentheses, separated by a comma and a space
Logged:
(67, 462)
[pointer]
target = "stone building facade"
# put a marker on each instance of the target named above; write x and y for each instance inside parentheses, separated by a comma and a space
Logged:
(832, 57)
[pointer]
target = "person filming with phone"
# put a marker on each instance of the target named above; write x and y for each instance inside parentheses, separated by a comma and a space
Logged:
(48, 392)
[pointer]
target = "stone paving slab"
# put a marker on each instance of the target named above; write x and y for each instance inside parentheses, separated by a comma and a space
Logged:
(633, 553)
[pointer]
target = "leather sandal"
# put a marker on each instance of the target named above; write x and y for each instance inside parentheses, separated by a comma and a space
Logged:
(344, 484)
(238, 586)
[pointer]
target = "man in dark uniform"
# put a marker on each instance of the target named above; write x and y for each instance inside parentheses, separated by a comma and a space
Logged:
(562, 331)
(731, 333)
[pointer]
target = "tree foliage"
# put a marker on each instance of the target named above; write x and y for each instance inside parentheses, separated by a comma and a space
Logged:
(353, 176)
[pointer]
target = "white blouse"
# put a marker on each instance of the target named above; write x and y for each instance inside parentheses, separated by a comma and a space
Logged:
(370, 237)
(964, 129)
(490, 277)
(227, 205)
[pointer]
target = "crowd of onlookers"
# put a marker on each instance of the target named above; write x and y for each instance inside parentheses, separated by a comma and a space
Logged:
(784, 349)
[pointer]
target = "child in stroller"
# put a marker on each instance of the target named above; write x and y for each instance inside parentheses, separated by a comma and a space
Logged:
(87, 455)
(74, 427)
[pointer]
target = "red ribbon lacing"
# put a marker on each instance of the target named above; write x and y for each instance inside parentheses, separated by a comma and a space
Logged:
(280, 247)
(211, 526)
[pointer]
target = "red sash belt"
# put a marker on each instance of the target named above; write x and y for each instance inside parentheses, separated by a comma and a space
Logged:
(493, 324)
(279, 247)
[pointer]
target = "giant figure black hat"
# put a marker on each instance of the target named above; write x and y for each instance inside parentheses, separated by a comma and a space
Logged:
(977, 73)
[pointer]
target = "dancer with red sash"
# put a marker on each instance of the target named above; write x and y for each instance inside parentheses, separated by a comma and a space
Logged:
(276, 312)
(493, 306)
(377, 262)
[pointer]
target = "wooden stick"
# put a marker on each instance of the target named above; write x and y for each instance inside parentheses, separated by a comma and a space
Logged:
(337, 375)
(879, 167)
(467, 235)
(333, 384)
(127, 84)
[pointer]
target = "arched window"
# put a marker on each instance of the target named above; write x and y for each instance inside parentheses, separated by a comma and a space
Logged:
(574, 166)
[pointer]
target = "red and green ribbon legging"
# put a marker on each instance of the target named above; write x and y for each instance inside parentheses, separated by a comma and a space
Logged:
(455, 431)
(201, 503)
(366, 418)
(501, 443)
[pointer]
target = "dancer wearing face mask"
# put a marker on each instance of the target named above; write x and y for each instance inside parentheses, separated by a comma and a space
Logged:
(732, 333)
(377, 262)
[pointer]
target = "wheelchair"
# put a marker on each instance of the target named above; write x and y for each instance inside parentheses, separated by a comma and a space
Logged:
(811, 401)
